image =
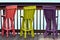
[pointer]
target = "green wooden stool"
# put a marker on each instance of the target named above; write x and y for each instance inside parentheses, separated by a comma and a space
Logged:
(27, 21)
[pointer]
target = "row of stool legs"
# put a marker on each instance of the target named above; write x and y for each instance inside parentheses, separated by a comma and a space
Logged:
(25, 29)
(7, 29)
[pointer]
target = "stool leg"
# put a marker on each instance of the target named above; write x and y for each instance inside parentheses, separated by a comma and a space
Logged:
(7, 33)
(4, 22)
(55, 28)
(56, 34)
(25, 34)
(32, 33)
(54, 23)
(47, 27)
(31, 27)
(7, 27)
(29, 33)
(13, 30)
(2, 32)
(25, 27)
(21, 32)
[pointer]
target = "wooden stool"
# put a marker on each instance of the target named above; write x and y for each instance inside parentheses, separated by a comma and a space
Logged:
(9, 14)
(27, 21)
(50, 15)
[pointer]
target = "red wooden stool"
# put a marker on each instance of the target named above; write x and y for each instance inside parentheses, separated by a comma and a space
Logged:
(9, 14)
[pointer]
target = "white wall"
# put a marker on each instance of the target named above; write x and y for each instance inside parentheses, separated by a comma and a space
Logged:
(30, 1)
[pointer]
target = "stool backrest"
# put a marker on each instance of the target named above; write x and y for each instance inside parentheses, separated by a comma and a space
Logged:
(49, 10)
(29, 12)
(10, 11)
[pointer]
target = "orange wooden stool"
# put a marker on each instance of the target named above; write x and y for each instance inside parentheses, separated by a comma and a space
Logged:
(9, 14)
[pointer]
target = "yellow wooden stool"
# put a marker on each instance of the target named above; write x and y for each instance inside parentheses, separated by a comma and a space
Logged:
(28, 17)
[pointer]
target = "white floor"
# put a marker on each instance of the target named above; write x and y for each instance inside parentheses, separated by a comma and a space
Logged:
(41, 37)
